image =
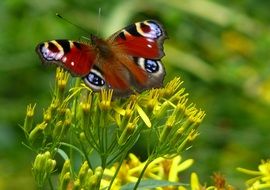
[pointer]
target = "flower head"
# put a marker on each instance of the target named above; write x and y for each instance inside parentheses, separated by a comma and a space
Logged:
(262, 176)
(105, 127)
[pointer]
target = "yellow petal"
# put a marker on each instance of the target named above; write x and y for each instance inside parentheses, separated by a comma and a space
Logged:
(119, 110)
(195, 184)
(143, 115)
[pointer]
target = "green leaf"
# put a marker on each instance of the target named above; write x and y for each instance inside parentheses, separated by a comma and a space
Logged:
(146, 184)
(62, 153)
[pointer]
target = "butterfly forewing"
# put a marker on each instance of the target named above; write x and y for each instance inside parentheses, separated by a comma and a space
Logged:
(142, 39)
(76, 57)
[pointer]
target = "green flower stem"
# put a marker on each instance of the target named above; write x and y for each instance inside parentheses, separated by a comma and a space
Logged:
(89, 137)
(151, 132)
(117, 169)
(127, 146)
(103, 160)
(113, 144)
(102, 140)
(149, 160)
(86, 156)
(50, 183)
(103, 145)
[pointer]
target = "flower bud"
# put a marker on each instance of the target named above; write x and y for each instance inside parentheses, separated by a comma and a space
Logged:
(65, 169)
(66, 182)
(77, 185)
(172, 86)
(54, 105)
(67, 122)
(37, 134)
(152, 100)
(28, 121)
(192, 135)
(126, 113)
(92, 182)
(129, 129)
(177, 136)
(86, 104)
(83, 172)
(43, 166)
(82, 137)
(167, 128)
(99, 172)
(61, 82)
(57, 131)
(182, 145)
(50, 165)
(47, 115)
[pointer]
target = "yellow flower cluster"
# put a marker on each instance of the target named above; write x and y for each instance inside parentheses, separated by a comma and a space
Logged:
(160, 169)
(108, 127)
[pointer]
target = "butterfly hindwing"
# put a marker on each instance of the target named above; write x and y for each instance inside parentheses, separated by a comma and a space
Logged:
(76, 57)
(155, 71)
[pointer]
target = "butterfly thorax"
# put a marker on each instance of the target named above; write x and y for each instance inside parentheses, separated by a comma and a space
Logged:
(102, 47)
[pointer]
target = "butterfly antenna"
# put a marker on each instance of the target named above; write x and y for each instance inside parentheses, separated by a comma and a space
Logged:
(99, 21)
(81, 28)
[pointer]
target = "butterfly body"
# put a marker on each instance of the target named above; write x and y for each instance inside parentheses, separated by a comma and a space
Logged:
(128, 60)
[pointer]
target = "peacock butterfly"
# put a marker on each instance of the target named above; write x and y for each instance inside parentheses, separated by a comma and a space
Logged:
(128, 61)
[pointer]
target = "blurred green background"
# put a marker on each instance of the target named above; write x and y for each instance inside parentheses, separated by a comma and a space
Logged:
(219, 48)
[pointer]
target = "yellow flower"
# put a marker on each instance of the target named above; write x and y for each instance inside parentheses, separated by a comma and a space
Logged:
(262, 177)
(172, 167)
(106, 98)
(194, 182)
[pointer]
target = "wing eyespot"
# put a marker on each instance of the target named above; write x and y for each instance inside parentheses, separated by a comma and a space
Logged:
(149, 29)
(149, 65)
(95, 80)
(50, 51)
(155, 72)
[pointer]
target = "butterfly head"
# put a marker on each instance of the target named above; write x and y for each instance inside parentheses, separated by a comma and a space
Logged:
(101, 46)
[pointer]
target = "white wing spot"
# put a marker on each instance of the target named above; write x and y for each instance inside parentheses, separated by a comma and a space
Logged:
(72, 63)
(64, 59)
